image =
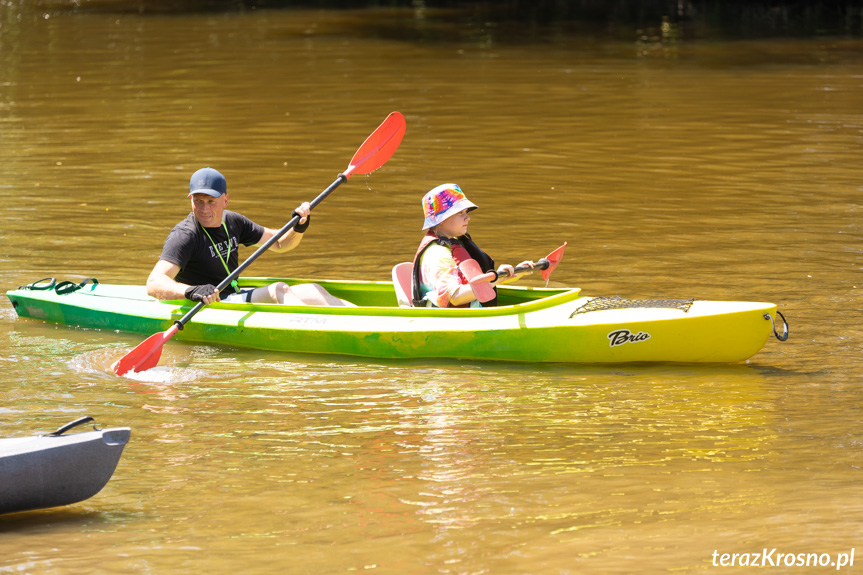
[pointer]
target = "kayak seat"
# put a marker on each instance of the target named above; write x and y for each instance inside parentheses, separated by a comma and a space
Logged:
(402, 282)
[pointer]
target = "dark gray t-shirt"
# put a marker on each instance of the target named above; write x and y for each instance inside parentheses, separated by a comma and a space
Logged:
(189, 247)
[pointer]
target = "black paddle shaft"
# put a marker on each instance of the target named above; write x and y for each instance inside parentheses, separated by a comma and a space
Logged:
(542, 264)
(342, 178)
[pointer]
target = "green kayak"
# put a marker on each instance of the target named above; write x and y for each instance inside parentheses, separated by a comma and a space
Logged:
(529, 325)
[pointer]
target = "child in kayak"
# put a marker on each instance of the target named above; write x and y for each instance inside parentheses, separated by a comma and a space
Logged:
(438, 280)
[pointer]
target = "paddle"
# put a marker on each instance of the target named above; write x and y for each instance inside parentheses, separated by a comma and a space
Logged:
(374, 153)
(484, 292)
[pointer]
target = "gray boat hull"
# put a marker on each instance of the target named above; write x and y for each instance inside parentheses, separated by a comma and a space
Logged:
(43, 471)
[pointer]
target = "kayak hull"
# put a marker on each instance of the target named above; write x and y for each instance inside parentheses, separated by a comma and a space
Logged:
(537, 325)
(43, 471)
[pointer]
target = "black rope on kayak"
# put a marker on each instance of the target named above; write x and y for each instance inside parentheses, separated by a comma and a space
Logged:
(67, 287)
(37, 285)
(606, 303)
(784, 335)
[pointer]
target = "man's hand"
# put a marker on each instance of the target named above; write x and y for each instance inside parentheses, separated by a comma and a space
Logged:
(303, 210)
(206, 293)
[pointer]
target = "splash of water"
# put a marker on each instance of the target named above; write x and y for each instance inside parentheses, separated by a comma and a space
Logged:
(165, 374)
(99, 362)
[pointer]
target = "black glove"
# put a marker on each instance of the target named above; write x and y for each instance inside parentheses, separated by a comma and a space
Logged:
(300, 228)
(198, 293)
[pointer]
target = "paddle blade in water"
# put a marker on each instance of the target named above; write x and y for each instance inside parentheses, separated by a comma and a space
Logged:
(146, 355)
(553, 259)
(379, 146)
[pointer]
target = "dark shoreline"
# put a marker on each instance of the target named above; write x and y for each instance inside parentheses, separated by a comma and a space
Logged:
(612, 19)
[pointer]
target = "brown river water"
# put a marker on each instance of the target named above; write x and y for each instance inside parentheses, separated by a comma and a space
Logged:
(715, 170)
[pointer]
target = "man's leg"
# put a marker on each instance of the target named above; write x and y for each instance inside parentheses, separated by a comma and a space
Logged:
(303, 294)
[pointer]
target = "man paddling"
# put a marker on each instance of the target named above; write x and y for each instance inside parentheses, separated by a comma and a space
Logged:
(203, 250)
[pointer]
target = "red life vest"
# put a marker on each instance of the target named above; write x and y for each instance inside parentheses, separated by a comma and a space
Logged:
(461, 252)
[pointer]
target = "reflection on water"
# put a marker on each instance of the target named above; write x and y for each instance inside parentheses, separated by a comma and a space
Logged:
(472, 466)
(674, 169)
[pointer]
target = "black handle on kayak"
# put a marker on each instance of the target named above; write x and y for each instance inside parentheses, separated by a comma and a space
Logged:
(40, 285)
(342, 178)
(70, 425)
(784, 335)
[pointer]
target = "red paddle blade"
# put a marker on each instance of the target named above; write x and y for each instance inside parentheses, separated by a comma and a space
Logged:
(379, 146)
(146, 355)
(553, 259)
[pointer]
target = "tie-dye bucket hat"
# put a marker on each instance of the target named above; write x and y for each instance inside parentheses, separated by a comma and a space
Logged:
(442, 202)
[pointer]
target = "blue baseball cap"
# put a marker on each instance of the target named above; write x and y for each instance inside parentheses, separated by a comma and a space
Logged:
(208, 181)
